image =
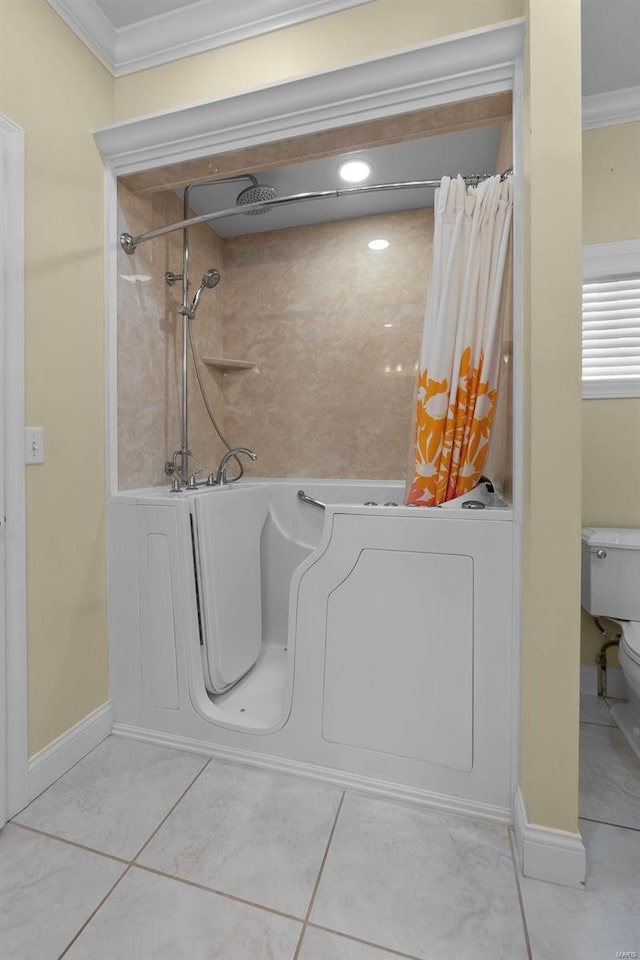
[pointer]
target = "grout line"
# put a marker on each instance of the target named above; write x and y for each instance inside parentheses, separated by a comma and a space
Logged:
(368, 943)
(596, 723)
(220, 893)
(516, 871)
(608, 823)
(103, 853)
(168, 814)
(318, 878)
(93, 913)
(71, 843)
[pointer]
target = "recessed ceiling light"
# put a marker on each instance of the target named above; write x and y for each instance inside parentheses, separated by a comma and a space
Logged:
(378, 244)
(355, 171)
(388, 324)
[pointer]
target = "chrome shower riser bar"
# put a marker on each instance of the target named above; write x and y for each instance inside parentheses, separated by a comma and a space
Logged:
(129, 243)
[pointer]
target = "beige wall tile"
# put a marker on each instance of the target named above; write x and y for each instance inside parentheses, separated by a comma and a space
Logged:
(332, 393)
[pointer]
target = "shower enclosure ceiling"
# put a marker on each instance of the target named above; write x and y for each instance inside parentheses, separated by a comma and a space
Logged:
(468, 152)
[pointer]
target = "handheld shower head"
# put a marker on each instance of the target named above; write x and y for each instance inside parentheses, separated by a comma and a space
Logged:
(210, 279)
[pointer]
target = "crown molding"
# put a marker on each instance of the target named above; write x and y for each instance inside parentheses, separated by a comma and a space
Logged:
(609, 109)
(203, 25)
(88, 22)
(463, 67)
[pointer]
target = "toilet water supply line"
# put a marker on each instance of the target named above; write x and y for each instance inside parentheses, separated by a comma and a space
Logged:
(612, 640)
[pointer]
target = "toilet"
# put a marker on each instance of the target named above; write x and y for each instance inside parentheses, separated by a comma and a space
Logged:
(611, 588)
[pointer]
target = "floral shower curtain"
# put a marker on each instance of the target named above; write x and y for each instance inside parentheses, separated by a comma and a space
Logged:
(459, 365)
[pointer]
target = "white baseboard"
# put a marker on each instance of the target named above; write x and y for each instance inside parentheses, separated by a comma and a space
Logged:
(311, 771)
(547, 854)
(616, 683)
(49, 764)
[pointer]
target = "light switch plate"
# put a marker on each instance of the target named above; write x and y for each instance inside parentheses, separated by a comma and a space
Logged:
(34, 445)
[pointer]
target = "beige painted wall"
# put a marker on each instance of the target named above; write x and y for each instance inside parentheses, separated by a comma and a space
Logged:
(610, 428)
(611, 198)
(371, 30)
(551, 587)
(55, 88)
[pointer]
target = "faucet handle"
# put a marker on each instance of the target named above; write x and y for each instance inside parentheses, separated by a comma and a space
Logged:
(192, 485)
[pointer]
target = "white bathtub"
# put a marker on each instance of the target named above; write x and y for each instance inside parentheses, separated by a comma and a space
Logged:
(383, 634)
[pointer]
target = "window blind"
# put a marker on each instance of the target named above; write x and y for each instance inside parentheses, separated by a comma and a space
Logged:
(611, 336)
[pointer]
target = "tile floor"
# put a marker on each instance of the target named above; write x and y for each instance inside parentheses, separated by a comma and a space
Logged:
(142, 852)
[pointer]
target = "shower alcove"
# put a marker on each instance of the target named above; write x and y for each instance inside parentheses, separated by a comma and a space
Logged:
(374, 643)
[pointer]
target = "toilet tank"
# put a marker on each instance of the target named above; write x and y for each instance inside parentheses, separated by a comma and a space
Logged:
(611, 572)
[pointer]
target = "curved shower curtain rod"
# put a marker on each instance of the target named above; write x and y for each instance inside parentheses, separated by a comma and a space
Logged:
(129, 243)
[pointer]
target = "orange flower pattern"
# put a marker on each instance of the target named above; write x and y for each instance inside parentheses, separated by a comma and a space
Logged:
(452, 434)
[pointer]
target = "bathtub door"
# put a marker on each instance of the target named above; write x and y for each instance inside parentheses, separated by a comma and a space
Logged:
(229, 528)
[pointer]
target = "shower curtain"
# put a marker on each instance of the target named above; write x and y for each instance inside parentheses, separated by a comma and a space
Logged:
(459, 364)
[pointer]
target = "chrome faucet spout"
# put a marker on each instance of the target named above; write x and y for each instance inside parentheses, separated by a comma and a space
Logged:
(221, 474)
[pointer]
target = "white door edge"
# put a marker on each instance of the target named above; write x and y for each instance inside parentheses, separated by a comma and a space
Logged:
(13, 645)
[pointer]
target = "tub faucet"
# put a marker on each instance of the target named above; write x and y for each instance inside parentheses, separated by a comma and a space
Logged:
(221, 473)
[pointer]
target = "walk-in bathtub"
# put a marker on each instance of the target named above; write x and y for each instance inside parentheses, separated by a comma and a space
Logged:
(380, 636)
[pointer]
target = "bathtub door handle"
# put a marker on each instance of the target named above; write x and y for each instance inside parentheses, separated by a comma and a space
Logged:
(314, 503)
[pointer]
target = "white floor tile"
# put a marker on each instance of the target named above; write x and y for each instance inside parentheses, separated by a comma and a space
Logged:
(609, 777)
(115, 798)
(48, 889)
(599, 921)
(420, 882)
(322, 945)
(252, 833)
(595, 710)
(148, 916)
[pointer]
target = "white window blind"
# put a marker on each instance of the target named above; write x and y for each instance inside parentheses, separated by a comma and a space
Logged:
(611, 333)
(611, 320)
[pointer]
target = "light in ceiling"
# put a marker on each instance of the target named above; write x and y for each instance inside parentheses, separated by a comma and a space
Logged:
(354, 171)
(378, 244)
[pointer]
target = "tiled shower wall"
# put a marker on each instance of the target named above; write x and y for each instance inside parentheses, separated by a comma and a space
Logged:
(333, 327)
(335, 330)
(150, 343)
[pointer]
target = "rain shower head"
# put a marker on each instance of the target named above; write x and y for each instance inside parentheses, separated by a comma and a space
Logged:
(256, 193)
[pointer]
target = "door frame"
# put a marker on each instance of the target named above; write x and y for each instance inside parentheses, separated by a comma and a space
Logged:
(14, 748)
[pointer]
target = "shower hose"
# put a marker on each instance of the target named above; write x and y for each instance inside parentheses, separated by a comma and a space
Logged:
(196, 366)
